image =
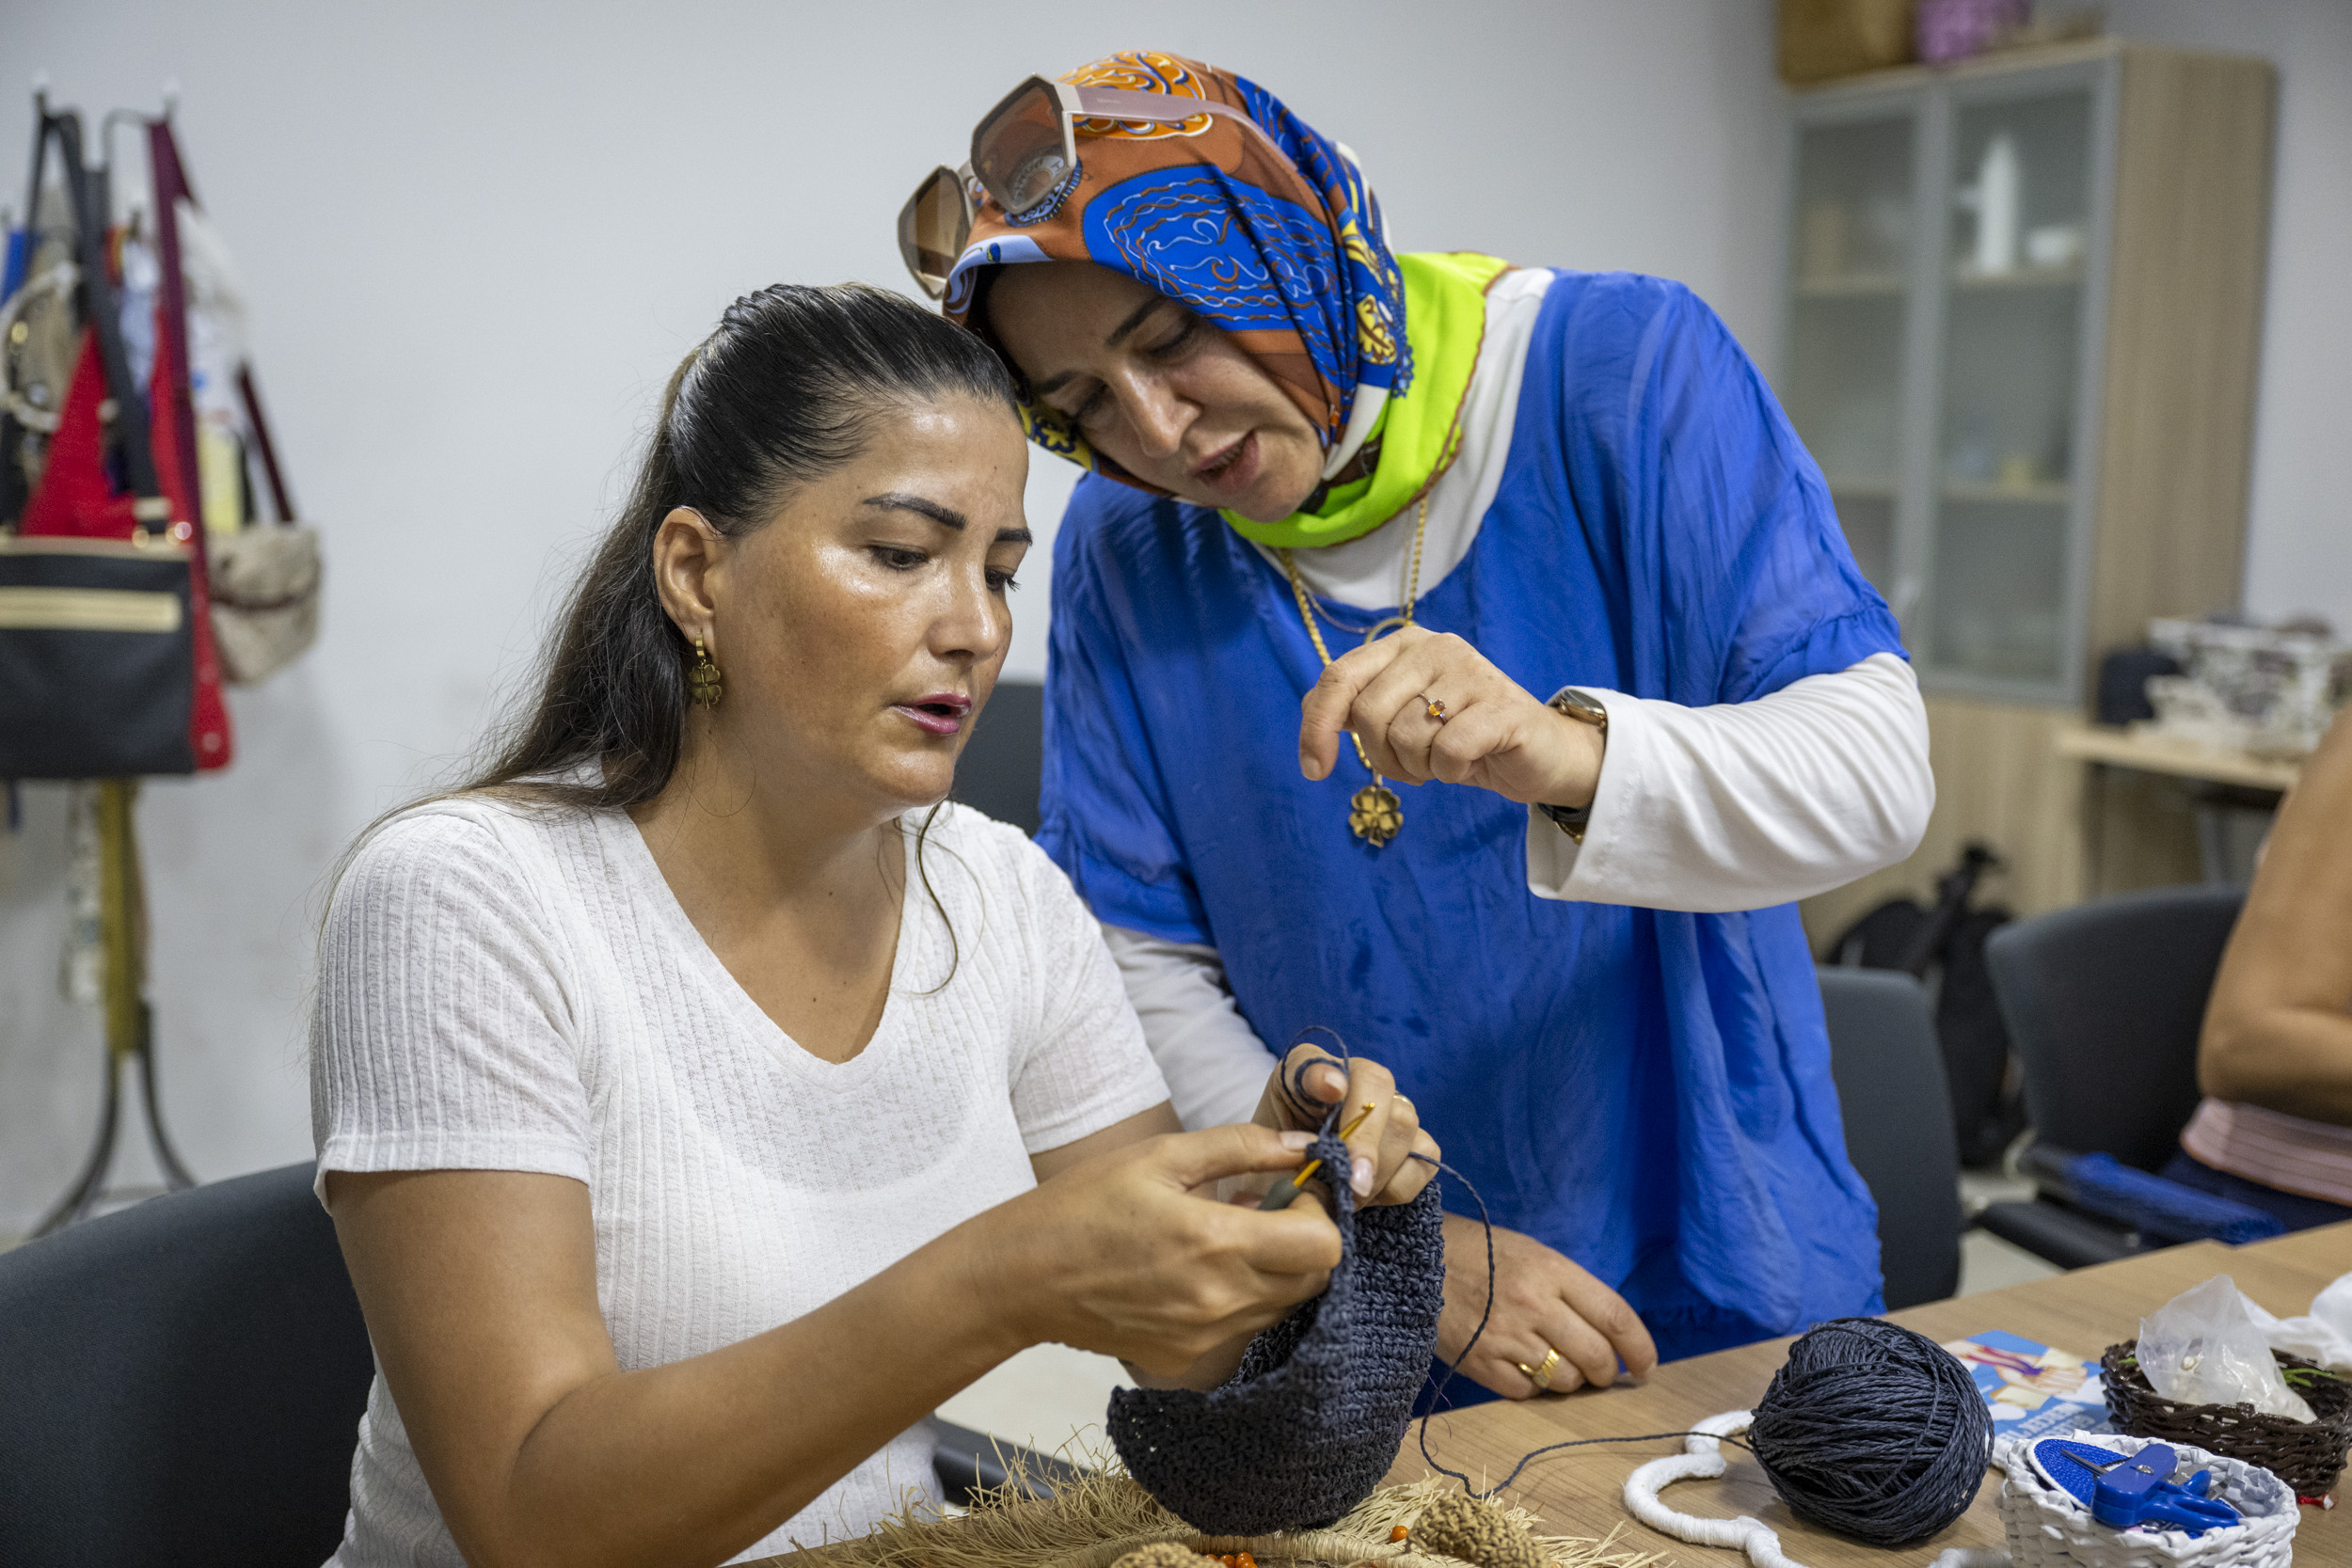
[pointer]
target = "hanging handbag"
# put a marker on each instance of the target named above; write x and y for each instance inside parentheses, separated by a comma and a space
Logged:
(265, 580)
(103, 645)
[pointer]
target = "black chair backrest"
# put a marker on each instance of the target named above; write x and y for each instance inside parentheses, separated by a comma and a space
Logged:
(2104, 1002)
(1898, 1125)
(1003, 764)
(182, 1383)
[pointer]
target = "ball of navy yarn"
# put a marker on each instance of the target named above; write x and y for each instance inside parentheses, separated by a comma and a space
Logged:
(1874, 1432)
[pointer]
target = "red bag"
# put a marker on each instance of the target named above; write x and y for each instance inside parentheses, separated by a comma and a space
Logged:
(76, 497)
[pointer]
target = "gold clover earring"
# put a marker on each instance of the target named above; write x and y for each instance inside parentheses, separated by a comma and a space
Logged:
(702, 678)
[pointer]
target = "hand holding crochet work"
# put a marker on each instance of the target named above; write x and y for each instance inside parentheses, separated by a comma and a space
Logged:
(1385, 1132)
(1129, 1255)
(1543, 1301)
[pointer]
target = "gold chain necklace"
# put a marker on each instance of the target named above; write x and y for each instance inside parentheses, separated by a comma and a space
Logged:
(1373, 813)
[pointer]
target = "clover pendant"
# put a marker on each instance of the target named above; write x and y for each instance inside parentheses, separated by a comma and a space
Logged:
(1374, 814)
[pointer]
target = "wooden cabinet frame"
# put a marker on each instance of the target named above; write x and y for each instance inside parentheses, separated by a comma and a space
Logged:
(2170, 321)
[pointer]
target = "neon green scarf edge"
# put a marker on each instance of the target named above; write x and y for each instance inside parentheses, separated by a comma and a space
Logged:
(1445, 305)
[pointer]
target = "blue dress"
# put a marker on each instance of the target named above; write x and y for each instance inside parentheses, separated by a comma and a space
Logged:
(1646, 1091)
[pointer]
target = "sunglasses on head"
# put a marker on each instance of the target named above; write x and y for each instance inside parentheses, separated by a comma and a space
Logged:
(1024, 151)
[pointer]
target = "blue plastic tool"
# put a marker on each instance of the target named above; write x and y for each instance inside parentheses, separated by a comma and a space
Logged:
(2124, 1490)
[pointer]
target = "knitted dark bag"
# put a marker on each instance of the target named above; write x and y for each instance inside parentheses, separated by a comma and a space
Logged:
(1311, 1421)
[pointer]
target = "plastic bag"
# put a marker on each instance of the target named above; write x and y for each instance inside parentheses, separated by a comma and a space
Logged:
(2324, 1335)
(2202, 1348)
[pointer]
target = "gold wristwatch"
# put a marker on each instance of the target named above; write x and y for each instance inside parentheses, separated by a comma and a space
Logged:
(1573, 820)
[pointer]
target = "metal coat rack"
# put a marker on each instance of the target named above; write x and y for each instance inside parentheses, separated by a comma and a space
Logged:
(130, 1023)
(122, 924)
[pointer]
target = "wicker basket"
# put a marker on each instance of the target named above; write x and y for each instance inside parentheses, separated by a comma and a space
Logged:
(2307, 1455)
(2047, 1528)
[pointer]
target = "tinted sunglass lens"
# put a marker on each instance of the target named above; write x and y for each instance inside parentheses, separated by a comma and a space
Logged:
(932, 229)
(1018, 152)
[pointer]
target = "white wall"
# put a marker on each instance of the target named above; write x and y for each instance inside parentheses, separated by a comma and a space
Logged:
(478, 236)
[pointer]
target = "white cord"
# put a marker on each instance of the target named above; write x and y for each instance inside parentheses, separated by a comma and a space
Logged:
(1702, 1459)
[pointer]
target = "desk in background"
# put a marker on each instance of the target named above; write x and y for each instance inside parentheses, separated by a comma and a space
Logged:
(1578, 1491)
(2230, 796)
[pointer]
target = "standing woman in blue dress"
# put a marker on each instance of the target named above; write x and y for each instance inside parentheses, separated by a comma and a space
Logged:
(1464, 657)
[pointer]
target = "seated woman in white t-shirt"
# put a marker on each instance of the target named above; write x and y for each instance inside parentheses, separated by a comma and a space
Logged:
(699, 1104)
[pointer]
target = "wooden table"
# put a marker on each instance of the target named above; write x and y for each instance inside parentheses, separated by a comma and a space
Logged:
(2154, 751)
(1579, 1490)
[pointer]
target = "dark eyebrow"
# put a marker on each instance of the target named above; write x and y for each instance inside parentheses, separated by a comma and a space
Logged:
(1134, 319)
(899, 500)
(946, 517)
(1119, 335)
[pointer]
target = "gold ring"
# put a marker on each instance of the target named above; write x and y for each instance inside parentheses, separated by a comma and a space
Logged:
(1437, 710)
(1542, 1373)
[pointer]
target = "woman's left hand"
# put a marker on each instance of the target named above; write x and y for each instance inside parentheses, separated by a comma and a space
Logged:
(1493, 733)
(1381, 1149)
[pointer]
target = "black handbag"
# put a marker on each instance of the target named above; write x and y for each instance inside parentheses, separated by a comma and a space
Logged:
(97, 656)
(97, 635)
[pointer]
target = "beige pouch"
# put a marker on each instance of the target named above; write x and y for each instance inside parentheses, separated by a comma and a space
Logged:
(266, 597)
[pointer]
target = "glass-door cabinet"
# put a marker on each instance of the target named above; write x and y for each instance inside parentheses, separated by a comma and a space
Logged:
(1947, 243)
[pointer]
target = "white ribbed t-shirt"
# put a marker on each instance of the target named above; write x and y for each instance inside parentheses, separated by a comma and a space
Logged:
(510, 990)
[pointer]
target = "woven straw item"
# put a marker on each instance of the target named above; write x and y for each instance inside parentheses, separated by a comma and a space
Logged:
(2048, 1529)
(1103, 1517)
(2307, 1455)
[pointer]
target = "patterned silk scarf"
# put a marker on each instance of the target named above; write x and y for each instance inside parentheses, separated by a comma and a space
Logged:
(1288, 258)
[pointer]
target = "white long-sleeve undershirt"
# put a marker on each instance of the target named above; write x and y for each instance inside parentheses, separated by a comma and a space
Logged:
(1735, 806)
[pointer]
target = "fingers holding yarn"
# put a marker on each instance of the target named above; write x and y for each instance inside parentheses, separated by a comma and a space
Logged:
(1381, 1126)
(1408, 1161)
(1197, 1160)
(1309, 1082)
(1143, 1267)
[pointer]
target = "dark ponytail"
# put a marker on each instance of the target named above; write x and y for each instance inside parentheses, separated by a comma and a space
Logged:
(782, 393)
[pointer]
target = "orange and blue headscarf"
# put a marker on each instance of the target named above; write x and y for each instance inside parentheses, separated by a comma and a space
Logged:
(1288, 258)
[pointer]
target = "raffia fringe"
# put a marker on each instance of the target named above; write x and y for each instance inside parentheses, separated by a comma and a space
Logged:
(1097, 1520)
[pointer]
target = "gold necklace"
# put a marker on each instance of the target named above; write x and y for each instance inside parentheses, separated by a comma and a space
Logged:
(1373, 813)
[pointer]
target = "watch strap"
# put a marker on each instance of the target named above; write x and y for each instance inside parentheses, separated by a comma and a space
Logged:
(1573, 820)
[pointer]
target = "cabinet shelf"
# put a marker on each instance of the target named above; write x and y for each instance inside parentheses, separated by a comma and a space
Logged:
(1858, 285)
(2023, 278)
(2026, 494)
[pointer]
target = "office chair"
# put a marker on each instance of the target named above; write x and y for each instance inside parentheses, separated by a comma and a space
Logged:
(1003, 763)
(2106, 1001)
(1898, 1113)
(182, 1382)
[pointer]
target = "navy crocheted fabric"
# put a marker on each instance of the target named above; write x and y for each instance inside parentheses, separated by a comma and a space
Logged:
(1309, 1425)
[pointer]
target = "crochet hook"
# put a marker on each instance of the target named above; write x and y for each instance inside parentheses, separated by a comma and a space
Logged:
(1280, 1194)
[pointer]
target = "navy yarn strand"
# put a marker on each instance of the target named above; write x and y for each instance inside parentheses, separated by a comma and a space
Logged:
(1295, 1077)
(1486, 1224)
(1868, 1429)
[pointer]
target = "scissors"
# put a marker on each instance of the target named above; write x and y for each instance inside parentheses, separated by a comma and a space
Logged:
(2123, 1490)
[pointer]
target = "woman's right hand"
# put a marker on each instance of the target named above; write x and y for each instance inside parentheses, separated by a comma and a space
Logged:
(1543, 1301)
(1131, 1255)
